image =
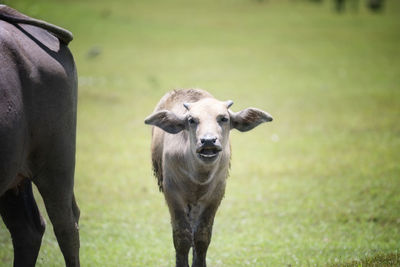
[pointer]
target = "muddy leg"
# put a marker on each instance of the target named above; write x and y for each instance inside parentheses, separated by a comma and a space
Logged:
(182, 236)
(22, 218)
(181, 229)
(202, 236)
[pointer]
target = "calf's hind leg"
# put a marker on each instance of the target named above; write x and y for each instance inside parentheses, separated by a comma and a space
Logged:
(22, 218)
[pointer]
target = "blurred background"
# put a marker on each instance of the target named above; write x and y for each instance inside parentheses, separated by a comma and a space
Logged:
(320, 185)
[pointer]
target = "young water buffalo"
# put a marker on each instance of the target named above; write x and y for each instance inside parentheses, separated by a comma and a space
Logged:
(38, 94)
(191, 154)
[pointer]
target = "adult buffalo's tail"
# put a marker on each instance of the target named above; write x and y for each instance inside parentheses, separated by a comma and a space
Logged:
(13, 16)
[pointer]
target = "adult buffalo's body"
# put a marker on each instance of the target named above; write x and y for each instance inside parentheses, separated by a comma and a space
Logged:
(191, 155)
(38, 96)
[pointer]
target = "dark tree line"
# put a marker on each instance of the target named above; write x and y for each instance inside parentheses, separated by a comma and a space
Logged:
(374, 5)
(341, 5)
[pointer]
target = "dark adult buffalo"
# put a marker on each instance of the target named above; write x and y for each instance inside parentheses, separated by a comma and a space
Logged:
(38, 96)
(191, 157)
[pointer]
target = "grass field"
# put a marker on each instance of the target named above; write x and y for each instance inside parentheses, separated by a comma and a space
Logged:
(320, 185)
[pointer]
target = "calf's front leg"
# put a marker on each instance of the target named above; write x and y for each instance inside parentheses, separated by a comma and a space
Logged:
(202, 235)
(181, 232)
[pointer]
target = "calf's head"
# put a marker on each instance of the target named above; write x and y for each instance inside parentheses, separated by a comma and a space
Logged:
(208, 122)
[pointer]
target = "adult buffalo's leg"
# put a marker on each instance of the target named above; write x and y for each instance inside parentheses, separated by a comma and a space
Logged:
(181, 231)
(202, 235)
(58, 196)
(22, 218)
(55, 181)
(53, 163)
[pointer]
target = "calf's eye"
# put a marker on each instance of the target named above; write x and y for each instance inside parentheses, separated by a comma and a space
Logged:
(191, 121)
(224, 119)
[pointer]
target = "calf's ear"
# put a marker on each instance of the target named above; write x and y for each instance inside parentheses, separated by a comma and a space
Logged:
(248, 118)
(167, 120)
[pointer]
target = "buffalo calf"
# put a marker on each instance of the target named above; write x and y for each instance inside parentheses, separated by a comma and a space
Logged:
(191, 158)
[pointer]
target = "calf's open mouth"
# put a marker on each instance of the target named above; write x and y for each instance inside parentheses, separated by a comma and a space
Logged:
(208, 151)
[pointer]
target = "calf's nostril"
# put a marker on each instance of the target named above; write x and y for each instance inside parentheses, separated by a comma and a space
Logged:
(208, 140)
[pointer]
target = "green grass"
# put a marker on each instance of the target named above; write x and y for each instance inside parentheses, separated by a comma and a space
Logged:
(320, 185)
(386, 260)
